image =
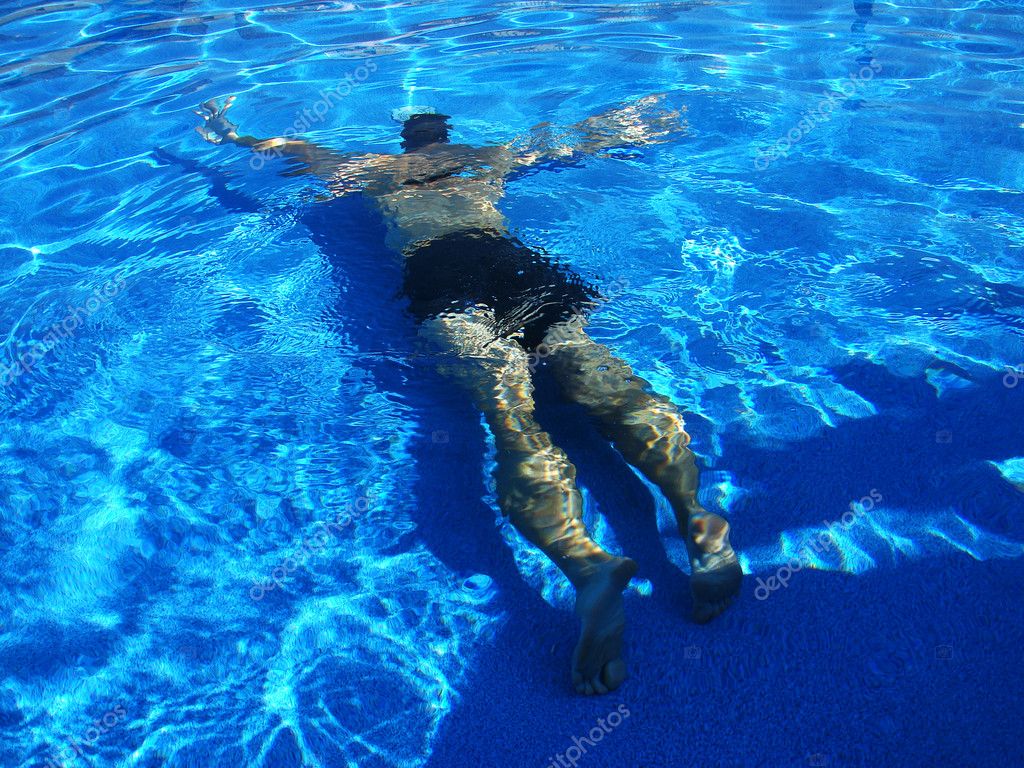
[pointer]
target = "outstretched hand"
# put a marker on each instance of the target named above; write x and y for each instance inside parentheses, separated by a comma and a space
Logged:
(639, 122)
(216, 128)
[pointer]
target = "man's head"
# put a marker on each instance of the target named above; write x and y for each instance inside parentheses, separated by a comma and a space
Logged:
(423, 129)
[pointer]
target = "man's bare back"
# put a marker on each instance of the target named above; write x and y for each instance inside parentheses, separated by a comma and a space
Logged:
(440, 189)
(437, 187)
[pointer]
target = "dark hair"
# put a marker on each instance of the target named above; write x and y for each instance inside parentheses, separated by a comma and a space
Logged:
(424, 128)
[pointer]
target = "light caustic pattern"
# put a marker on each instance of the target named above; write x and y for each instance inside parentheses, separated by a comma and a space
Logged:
(256, 374)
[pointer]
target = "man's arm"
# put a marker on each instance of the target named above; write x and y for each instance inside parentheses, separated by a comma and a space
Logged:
(638, 123)
(313, 158)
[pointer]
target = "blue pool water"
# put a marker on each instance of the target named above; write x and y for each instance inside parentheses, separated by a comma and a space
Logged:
(825, 271)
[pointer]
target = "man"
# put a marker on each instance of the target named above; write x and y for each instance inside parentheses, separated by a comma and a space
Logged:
(480, 293)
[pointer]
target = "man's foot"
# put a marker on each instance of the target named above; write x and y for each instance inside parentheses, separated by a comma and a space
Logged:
(597, 666)
(715, 573)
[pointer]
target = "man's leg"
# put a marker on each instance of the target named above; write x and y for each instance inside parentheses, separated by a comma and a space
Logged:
(648, 430)
(537, 491)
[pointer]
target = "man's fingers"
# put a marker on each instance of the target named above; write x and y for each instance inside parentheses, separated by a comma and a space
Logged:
(207, 136)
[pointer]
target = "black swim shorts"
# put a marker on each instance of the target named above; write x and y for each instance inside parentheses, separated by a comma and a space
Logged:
(527, 291)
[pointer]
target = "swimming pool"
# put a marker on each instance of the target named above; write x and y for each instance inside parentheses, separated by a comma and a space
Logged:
(247, 523)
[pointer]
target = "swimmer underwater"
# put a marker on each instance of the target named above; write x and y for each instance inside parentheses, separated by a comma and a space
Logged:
(484, 298)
